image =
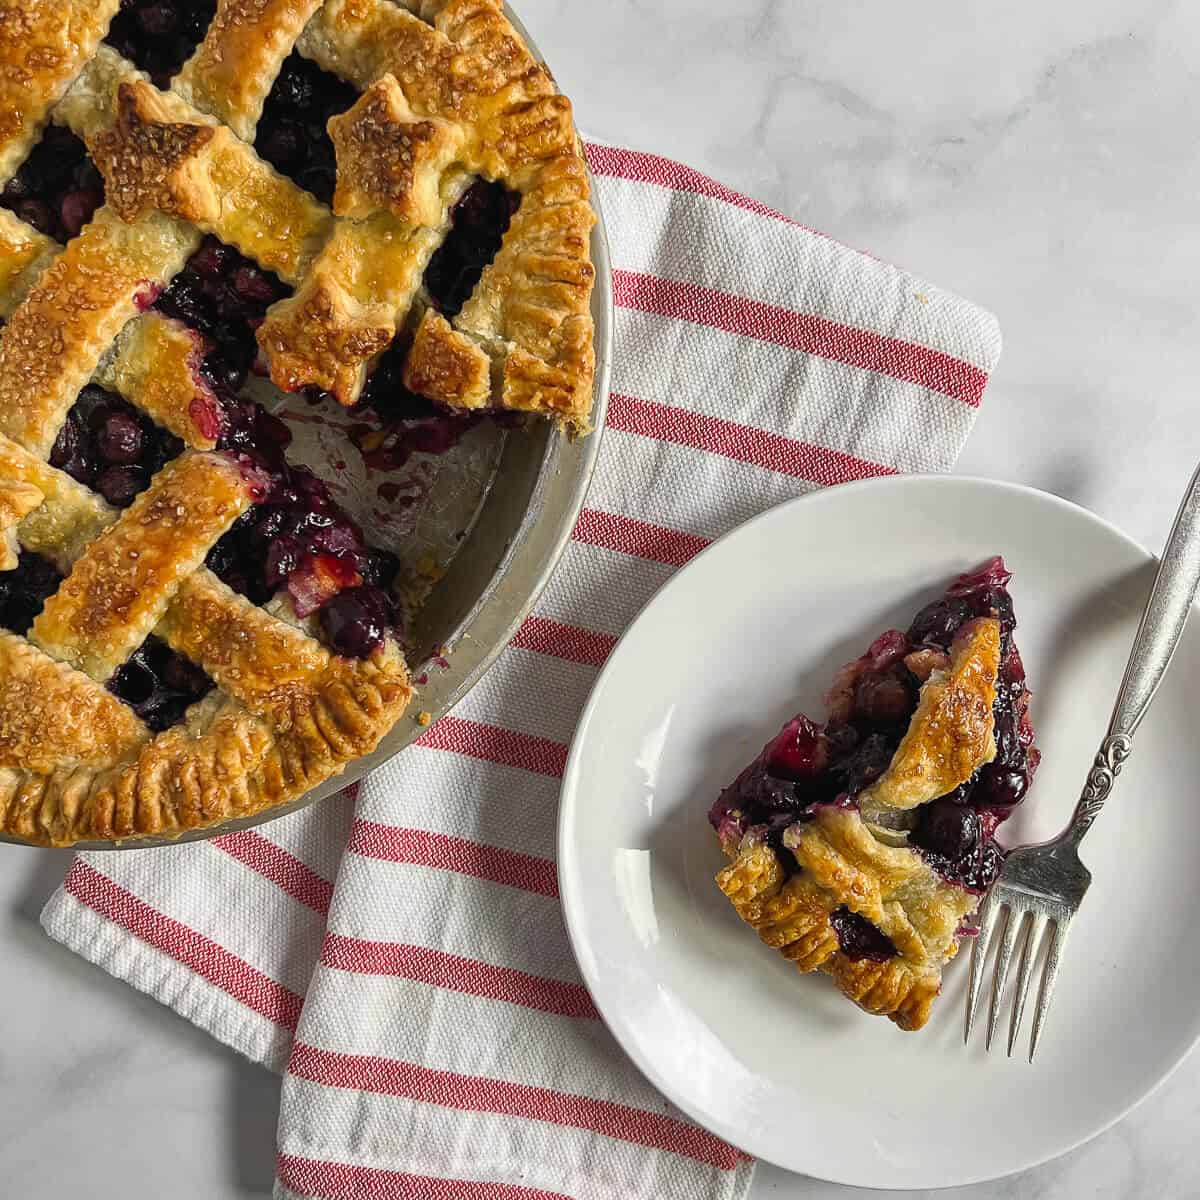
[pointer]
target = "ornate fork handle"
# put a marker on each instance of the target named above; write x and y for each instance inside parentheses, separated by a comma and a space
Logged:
(1157, 636)
(1114, 750)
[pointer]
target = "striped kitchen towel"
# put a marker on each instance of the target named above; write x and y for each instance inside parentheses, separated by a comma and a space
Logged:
(398, 954)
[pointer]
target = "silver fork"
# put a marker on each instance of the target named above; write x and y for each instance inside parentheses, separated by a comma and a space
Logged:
(1041, 887)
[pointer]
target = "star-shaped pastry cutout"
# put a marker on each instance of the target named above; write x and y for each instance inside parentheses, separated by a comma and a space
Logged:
(322, 338)
(388, 158)
(150, 162)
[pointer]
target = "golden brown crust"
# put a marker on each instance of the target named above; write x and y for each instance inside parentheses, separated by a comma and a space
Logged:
(54, 716)
(17, 499)
(43, 44)
(534, 298)
(53, 341)
(447, 366)
(233, 68)
(150, 162)
(261, 661)
(288, 716)
(950, 735)
(155, 364)
(122, 584)
(843, 866)
(344, 314)
(443, 102)
(24, 254)
(887, 989)
(236, 195)
(388, 158)
(226, 761)
(530, 313)
(69, 519)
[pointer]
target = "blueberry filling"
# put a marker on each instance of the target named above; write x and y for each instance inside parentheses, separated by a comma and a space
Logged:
(106, 444)
(954, 840)
(406, 423)
(291, 132)
(223, 295)
(478, 223)
(57, 188)
(356, 620)
(159, 36)
(159, 684)
(25, 589)
(298, 538)
(858, 938)
(808, 766)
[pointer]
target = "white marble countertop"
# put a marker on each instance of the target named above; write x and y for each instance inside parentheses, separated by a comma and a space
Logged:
(1038, 158)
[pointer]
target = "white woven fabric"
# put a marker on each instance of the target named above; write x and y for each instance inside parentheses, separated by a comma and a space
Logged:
(399, 955)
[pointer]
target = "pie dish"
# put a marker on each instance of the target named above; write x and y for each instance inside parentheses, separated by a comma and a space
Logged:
(862, 847)
(382, 205)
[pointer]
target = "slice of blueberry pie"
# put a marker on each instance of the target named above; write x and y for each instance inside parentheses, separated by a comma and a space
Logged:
(862, 847)
(382, 203)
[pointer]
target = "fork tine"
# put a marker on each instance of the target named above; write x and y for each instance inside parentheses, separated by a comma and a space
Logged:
(979, 949)
(1037, 926)
(1049, 975)
(1003, 957)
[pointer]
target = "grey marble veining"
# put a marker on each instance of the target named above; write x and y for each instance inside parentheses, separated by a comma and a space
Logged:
(1038, 158)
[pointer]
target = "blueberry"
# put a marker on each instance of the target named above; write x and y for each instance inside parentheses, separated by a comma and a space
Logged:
(948, 829)
(185, 301)
(134, 682)
(377, 567)
(1001, 785)
(162, 447)
(196, 21)
(76, 209)
(88, 177)
(356, 620)
(224, 374)
(284, 555)
(253, 286)
(15, 189)
(337, 537)
(1009, 749)
(159, 684)
(212, 259)
(183, 676)
(294, 88)
(797, 750)
(867, 762)
(72, 451)
(937, 623)
(479, 221)
(120, 439)
(320, 181)
(858, 938)
(94, 403)
(37, 213)
(283, 145)
(157, 20)
(23, 590)
(842, 738)
(119, 485)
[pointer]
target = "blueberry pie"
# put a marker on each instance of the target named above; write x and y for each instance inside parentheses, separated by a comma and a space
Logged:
(863, 846)
(383, 203)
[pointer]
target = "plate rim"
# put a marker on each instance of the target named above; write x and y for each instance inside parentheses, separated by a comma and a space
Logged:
(567, 868)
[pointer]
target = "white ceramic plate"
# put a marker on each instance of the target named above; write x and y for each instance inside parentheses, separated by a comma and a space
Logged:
(778, 1063)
